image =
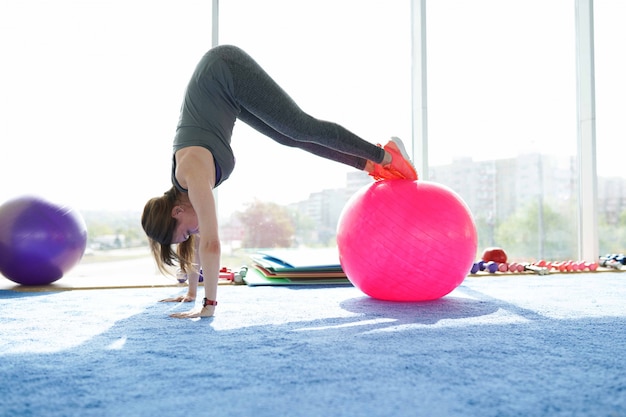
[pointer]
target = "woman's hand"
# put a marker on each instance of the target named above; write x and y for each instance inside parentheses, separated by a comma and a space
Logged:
(180, 299)
(207, 311)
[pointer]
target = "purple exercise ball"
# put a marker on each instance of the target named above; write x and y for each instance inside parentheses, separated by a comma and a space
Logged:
(39, 241)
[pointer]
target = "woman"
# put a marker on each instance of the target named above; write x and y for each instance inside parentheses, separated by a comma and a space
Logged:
(228, 85)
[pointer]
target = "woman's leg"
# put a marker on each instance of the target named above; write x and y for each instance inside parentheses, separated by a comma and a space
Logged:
(269, 109)
(312, 147)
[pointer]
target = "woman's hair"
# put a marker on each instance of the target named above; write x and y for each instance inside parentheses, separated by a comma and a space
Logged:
(159, 225)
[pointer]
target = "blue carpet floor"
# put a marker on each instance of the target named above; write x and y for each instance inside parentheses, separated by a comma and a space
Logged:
(496, 346)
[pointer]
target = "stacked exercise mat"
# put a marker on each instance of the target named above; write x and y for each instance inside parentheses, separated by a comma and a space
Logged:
(295, 267)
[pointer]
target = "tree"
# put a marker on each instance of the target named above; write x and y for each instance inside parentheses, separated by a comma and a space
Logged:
(120, 223)
(266, 225)
(530, 234)
(612, 236)
(305, 229)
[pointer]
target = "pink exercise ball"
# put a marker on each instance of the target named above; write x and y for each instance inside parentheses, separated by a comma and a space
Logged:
(402, 240)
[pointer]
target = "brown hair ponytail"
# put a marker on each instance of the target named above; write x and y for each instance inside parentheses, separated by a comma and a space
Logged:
(159, 225)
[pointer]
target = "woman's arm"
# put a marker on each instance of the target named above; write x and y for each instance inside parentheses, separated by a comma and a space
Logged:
(196, 171)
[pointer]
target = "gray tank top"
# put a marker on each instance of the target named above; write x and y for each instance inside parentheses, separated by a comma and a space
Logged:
(208, 114)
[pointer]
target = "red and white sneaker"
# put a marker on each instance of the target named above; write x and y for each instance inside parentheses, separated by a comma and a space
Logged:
(400, 166)
(385, 173)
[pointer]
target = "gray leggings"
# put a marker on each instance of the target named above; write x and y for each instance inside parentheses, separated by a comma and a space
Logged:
(267, 108)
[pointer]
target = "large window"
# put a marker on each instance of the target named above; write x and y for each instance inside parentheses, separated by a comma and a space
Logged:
(90, 96)
(501, 105)
(345, 61)
(502, 119)
(91, 92)
(610, 123)
(501, 110)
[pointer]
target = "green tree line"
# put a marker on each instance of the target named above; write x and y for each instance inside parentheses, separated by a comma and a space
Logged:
(533, 232)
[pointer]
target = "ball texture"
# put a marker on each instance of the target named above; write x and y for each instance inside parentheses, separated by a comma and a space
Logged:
(39, 240)
(402, 240)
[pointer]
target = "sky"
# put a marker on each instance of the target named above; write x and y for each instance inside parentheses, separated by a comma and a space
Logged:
(91, 89)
